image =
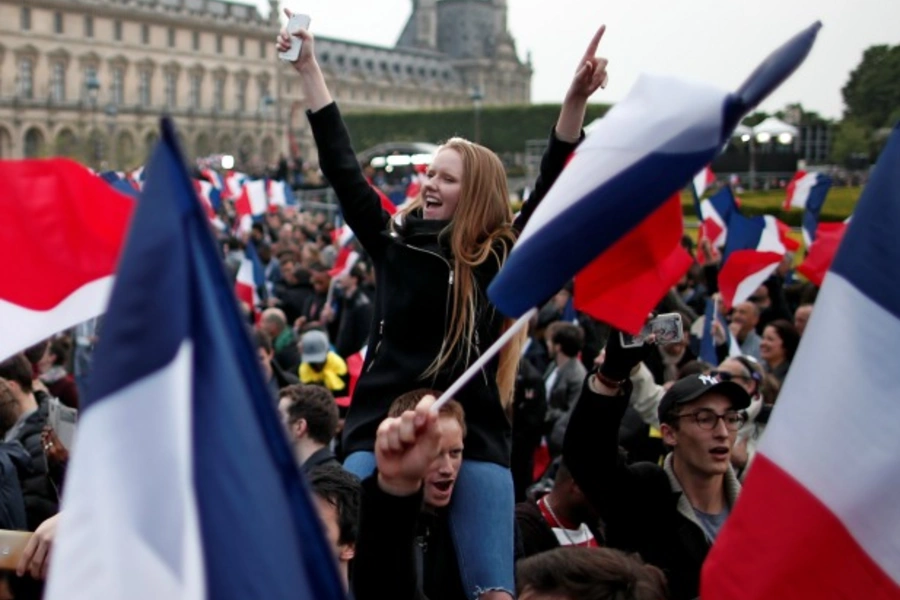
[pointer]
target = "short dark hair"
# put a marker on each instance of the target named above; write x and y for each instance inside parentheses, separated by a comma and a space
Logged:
(316, 405)
(262, 340)
(61, 349)
(790, 339)
(569, 337)
(595, 573)
(343, 491)
(35, 353)
(409, 400)
(17, 368)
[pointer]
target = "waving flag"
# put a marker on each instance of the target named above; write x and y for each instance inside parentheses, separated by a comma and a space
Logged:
(62, 230)
(708, 352)
(252, 203)
(250, 283)
(645, 149)
(714, 213)
(752, 253)
(280, 194)
(807, 189)
(821, 253)
(182, 485)
(820, 520)
(703, 180)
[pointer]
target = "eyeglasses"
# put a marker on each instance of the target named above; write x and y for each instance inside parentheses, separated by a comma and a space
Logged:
(708, 419)
(726, 376)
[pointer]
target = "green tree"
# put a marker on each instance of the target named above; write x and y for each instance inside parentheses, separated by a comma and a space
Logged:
(872, 93)
(852, 139)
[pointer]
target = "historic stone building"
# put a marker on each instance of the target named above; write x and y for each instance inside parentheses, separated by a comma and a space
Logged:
(89, 79)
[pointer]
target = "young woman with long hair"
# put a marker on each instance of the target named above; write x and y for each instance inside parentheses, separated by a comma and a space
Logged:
(434, 261)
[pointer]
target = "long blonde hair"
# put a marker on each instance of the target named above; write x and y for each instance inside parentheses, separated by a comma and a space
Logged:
(483, 218)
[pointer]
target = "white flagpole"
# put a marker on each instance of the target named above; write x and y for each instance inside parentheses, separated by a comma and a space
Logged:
(482, 360)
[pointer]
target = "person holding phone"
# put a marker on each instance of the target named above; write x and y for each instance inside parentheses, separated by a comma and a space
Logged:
(433, 262)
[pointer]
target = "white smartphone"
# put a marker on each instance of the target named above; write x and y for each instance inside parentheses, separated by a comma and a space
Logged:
(667, 329)
(295, 24)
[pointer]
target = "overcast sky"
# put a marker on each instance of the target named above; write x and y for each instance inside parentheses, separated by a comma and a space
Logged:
(717, 41)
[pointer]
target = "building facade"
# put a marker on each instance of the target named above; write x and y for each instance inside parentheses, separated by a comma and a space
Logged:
(89, 80)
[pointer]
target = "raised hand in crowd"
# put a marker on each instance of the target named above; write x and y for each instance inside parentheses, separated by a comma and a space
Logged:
(590, 75)
(405, 446)
(35, 559)
(311, 79)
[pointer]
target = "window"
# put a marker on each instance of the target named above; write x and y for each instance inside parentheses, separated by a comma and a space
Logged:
(88, 26)
(196, 79)
(117, 30)
(396, 68)
(170, 89)
(262, 49)
(219, 94)
(90, 73)
(58, 22)
(370, 65)
(26, 18)
(144, 88)
(219, 44)
(26, 78)
(241, 46)
(58, 82)
(145, 34)
(171, 37)
(242, 95)
(118, 86)
(354, 63)
(340, 61)
(324, 57)
(196, 43)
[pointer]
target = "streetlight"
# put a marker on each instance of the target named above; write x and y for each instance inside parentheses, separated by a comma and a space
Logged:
(93, 89)
(476, 96)
(112, 111)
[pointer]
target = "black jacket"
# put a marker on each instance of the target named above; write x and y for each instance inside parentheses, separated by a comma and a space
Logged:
(414, 272)
(355, 323)
(41, 498)
(642, 510)
(14, 465)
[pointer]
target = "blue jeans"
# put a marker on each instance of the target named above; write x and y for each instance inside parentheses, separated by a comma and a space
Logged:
(482, 515)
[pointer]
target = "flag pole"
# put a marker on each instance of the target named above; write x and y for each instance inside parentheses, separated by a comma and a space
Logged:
(483, 359)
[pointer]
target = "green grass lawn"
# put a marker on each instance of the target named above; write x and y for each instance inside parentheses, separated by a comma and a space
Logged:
(838, 206)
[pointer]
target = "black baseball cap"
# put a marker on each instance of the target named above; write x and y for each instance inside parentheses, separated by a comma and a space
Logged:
(687, 389)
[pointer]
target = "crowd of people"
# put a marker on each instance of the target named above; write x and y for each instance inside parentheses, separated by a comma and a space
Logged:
(570, 467)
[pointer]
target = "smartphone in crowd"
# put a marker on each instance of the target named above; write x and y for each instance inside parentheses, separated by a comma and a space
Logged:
(666, 329)
(295, 24)
(12, 544)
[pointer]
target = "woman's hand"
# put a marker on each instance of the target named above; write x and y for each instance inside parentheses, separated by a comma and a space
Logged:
(35, 558)
(590, 75)
(307, 58)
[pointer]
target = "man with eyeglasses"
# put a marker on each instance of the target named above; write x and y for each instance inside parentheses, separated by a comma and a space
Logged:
(669, 514)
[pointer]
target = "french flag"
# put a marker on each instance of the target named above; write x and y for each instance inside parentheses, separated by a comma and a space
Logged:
(280, 194)
(344, 262)
(214, 178)
(646, 148)
(807, 189)
(182, 484)
(702, 181)
(714, 213)
(234, 182)
(63, 229)
(252, 202)
(752, 253)
(708, 352)
(820, 520)
(822, 251)
(250, 283)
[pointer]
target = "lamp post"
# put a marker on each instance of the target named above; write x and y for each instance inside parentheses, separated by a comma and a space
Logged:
(476, 96)
(93, 89)
(112, 111)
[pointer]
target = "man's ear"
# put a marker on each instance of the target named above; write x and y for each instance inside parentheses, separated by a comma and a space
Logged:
(348, 552)
(299, 428)
(669, 435)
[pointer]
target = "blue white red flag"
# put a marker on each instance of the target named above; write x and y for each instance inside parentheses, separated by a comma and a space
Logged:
(820, 520)
(807, 191)
(752, 253)
(182, 485)
(646, 148)
(250, 283)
